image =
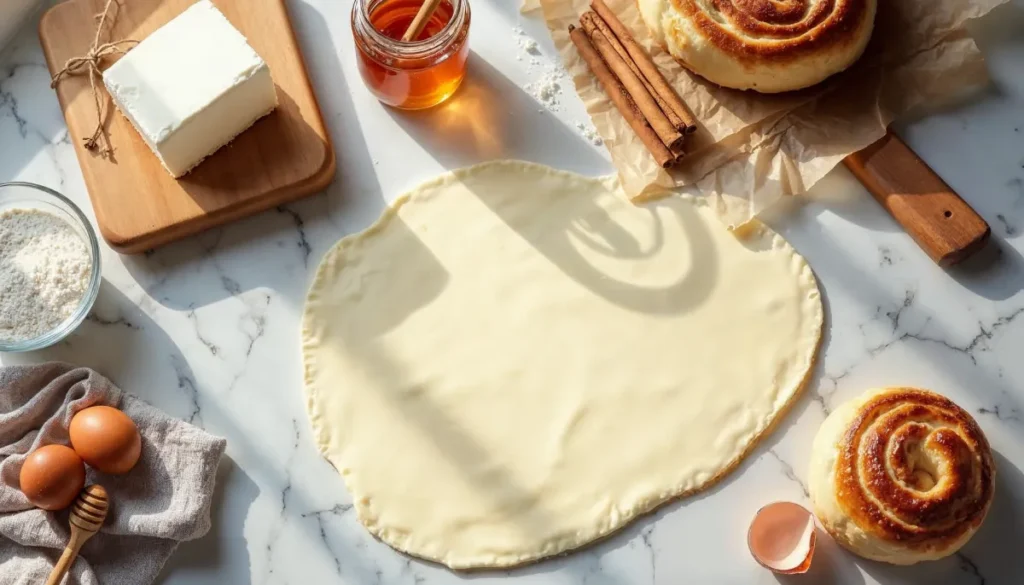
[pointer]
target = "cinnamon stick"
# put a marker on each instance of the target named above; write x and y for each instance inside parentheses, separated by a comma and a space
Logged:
(620, 97)
(679, 152)
(649, 70)
(670, 113)
(666, 131)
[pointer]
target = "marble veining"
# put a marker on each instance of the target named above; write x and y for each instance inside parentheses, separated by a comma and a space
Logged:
(208, 329)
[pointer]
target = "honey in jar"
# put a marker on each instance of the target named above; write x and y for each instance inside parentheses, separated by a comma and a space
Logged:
(417, 74)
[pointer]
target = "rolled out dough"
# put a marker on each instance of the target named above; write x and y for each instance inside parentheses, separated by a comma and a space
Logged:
(516, 361)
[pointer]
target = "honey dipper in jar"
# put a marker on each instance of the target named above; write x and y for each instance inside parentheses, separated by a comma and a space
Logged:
(420, 72)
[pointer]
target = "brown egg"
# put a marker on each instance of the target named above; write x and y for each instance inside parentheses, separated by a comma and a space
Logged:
(52, 476)
(106, 439)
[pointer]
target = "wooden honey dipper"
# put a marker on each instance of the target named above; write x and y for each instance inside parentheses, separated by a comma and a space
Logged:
(420, 21)
(87, 516)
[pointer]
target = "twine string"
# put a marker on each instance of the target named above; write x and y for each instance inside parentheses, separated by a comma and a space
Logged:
(90, 64)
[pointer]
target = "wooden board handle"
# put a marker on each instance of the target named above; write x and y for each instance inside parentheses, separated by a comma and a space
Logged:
(942, 223)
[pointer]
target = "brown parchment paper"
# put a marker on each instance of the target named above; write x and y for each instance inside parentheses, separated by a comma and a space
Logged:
(752, 149)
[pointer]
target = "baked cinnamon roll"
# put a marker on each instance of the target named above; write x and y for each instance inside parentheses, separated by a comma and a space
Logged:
(768, 46)
(901, 475)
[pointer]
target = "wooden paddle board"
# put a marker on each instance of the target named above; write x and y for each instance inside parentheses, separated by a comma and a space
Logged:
(945, 226)
(138, 204)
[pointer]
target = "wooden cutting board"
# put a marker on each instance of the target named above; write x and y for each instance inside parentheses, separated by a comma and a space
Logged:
(138, 204)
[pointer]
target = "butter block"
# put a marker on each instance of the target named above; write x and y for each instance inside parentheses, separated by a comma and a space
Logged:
(191, 87)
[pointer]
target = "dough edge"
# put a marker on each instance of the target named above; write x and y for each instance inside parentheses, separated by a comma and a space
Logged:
(560, 547)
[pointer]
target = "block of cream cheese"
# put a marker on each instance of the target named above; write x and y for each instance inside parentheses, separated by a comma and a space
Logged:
(191, 87)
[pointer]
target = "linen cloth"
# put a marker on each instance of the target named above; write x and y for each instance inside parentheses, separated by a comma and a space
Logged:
(163, 501)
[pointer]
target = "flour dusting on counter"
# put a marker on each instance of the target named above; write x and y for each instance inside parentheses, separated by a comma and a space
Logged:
(528, 47)
(44, 273)
(589, 133)
(548, 89)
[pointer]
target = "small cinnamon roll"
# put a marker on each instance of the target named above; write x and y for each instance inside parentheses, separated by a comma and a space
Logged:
(768, 46)
(901, 475)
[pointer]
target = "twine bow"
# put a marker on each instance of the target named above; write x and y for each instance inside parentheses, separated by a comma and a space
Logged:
(90, 64)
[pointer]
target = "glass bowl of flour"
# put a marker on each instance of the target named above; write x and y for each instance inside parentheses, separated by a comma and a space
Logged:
(49, 267)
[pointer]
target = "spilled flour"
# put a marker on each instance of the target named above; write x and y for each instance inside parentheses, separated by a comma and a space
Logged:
(551, 84)
(590, 133)
(44, 273)
(529, 49)
(548, 89)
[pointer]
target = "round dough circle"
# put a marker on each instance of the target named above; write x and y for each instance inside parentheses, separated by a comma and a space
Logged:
(515, 361)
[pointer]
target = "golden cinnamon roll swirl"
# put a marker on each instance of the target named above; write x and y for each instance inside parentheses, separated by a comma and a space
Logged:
(768, 46)
(901, 475)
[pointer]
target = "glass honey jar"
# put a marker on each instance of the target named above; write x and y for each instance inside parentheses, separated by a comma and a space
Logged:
(417, 74)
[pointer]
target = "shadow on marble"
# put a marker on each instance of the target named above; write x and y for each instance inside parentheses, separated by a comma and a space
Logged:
(295, 225)
(490, 117)
(988, 549)
(225, 542)
(995, 272)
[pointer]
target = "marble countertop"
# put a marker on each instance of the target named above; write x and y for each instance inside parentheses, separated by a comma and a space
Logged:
(207, 329)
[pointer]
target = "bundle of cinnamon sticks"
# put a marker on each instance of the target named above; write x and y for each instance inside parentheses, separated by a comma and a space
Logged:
(633, 82)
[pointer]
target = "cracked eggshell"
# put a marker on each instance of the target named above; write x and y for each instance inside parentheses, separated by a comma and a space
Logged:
(782, 537)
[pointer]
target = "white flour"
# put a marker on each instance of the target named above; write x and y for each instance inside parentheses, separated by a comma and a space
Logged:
(44, 273)
(548, 89)
(529, 49)
(590, 133)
